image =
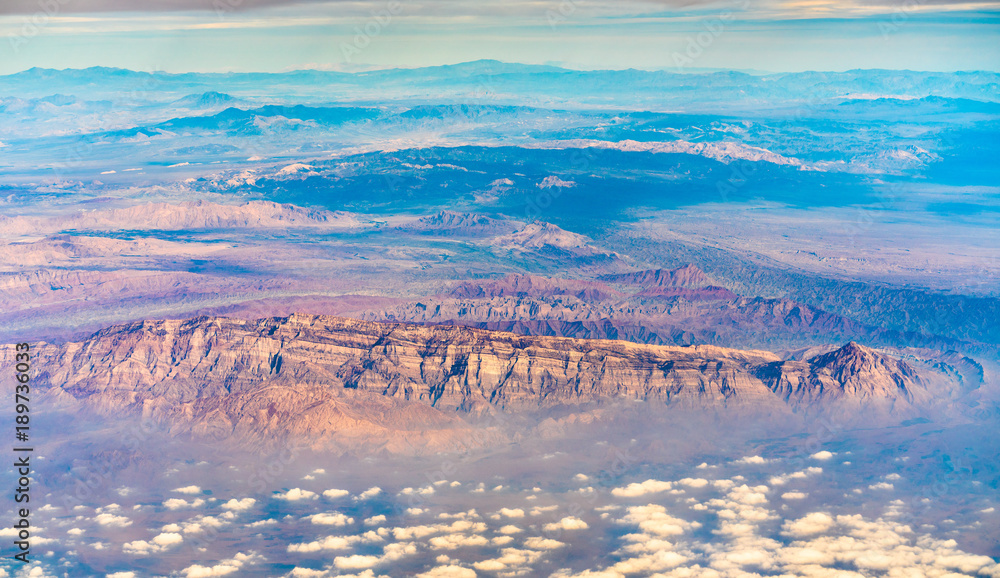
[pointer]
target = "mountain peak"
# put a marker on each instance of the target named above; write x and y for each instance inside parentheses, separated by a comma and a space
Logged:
(689, 276)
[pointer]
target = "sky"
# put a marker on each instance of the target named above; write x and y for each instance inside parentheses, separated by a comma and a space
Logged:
(677, 35)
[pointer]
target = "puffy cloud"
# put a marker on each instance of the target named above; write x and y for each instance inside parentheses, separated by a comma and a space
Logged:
(881, 486)
(296, 494)
(635, 490)
(424, 491)
(239, 505)
(653, 519)
(369, 493)
(112, 520)
(450, 571)
(511, 559)
(187, 490)
(355, 562)
(508, 529)
(334, 493)
(757, 460)
(538, 543)
(375, 520)
(168, 539)
(160, 543)
(327, 543)
(693, 482)
(822, 455)
(180, 504)
(511, 512)
(416, 532)
(330, 519)
(223, 568)
(567, 523)
(794, 496)
(581, 477)
(113, 575)
(813, 523)
(453, 541)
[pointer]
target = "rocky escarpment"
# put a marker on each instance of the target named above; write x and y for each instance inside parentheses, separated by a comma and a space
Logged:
(343, 381)
(853, 375)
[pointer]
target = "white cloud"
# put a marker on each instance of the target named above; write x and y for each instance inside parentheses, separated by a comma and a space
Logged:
(375, 520)
(538, 543)
(188, 490)
(369, 493)
(112, 520)
(239, 505)
(511, 512)
(453, 541)
(567, 523)
(297, 494)
(822, 455)
(448, 572)
(178, 503)
(693, 482)
(355, 562)
(508, 529)
(881, 486)
(635, 490)
(425, 491)
(330, 519)
(752, 460)
(160, 543)
(794, 496)
(653, 519)
(813, 523)
(223, 568)
(333, 494)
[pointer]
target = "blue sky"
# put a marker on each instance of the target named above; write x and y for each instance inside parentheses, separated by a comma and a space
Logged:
(279, 35)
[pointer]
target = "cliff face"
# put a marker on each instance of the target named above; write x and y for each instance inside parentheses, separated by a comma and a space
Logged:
(852, 375)
(332, 380)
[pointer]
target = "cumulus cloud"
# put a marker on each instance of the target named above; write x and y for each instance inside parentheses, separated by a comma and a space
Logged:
(180, 504)
(794, 496)
(653, 519)
(453, 541)
(158, 544)
(450, 571)
(222, 568)
(757, 460)
(112, 520)
(635, 490)
(355, 562)
(330, 519)
(424, 491)
(369, 493)
(296, 494)
(813, 523)
(239, 505)
(188, 490)
(822, 455)
(539, 543)
(567, 523)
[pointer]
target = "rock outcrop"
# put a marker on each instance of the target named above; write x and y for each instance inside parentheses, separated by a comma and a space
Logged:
(343, 382)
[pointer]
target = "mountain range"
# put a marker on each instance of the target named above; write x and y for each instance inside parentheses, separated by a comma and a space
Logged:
(350, 385)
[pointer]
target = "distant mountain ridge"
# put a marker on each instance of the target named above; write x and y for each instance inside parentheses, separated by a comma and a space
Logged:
(334, 380)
